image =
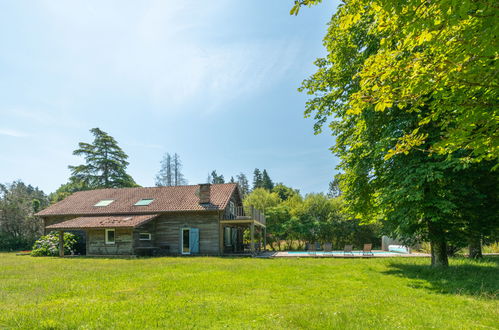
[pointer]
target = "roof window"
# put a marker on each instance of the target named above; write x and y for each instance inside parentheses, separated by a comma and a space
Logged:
(144, 202)
(104, 202)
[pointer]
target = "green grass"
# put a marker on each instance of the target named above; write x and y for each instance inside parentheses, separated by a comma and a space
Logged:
(203, 292)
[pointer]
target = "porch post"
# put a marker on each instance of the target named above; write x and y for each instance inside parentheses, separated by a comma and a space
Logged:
(252, 237)
(61, 243)
(264, 239)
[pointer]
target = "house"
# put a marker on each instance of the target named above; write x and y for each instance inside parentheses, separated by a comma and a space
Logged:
(205, 219)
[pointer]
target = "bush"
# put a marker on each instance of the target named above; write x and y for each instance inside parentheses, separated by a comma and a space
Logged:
(48, 245)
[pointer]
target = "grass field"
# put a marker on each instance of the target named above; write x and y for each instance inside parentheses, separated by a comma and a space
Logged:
(204, 292)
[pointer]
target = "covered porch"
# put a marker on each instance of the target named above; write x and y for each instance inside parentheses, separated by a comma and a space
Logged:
(105, 235)
(243, 233)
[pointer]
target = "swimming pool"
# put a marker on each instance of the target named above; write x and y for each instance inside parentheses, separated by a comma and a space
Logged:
(386, 253)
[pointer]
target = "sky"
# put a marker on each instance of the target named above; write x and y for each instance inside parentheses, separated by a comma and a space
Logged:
(214, 81)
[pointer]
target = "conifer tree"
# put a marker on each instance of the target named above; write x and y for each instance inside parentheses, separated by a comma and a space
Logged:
(105, 163)
(257, 179)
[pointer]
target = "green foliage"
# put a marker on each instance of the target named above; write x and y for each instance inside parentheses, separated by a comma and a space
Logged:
(215, 178)
(285, 192)
(242, 181)
(412, 105)
(66, 190)
(266, 181)
(48, 245)
(19, 227)
(298, 293)
(257, 179)
(261, 199)
(105, 163)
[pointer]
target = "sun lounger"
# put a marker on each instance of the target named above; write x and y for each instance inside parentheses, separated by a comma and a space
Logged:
(367, 250)
(348, 249)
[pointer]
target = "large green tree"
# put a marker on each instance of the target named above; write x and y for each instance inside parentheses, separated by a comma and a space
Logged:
(437, 55)
(398, 157)
(105, 163)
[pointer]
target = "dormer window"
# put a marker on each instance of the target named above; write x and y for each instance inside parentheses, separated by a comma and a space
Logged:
(104, 202)
(144, 202)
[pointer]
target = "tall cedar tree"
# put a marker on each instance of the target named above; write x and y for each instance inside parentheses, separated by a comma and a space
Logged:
(266, 181)
(105, 163)
(257, 179)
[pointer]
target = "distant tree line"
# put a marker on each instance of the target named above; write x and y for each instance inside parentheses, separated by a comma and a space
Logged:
(293, 220)
(19, 227)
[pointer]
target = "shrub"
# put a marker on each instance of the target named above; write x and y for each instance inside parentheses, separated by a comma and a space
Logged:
(48, 245)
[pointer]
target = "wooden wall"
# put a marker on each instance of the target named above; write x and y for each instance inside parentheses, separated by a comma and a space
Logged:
(168, 230)
(96, 243)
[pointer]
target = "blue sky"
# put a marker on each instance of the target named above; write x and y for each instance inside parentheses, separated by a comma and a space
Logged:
(214, 81)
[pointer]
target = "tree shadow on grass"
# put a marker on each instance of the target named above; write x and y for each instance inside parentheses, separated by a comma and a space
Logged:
(462, 277)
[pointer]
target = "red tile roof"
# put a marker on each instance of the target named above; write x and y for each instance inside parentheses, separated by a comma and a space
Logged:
(104, 222)
(166, 199)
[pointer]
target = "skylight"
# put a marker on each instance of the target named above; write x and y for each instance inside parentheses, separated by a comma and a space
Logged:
(144, 202)
(104, 202)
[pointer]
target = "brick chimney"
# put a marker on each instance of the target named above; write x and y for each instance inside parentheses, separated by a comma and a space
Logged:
(204, 193)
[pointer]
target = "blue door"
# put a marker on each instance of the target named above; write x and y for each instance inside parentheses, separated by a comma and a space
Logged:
(194, 240)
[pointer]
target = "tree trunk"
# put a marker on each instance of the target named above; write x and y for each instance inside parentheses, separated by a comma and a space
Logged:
(475, 247)
(438, 245)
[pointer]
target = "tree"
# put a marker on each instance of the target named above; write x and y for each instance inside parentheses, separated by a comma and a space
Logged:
(105, 163)
(165, 176)
(178, 176)
(334, 187)
(19, 227)
(66, 190)
(257, 179)
(439, 55)
(215, 178)
(242, 181)
(232, 180)
(285, 192)
(266, 181)
(170, 173)
(412, 192)
(261, 199)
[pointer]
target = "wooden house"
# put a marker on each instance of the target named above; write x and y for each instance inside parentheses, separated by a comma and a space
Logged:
(205, 219)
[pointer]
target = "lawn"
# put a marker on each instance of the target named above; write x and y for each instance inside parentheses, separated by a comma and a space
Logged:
(246, 293)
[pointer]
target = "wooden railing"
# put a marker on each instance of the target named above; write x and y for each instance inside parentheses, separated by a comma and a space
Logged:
(239, 213)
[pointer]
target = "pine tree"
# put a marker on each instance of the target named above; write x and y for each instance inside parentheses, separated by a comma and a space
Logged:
(232, 180)
(266, 181)
(215, 178)
(178, 176)
(105, 163)
(164, 176)
(242, 180)
(257, 179)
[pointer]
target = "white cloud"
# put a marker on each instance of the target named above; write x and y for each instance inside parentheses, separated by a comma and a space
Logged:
(13, 133)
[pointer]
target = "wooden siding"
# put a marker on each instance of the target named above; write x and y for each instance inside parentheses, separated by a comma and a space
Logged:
(123, 242)
(168, 230)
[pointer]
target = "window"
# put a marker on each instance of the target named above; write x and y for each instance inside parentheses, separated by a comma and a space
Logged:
(104, 202)
(144, 236)
(110, 236)
(144, 202)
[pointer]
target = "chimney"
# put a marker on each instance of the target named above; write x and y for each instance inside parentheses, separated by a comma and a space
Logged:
(204, 193)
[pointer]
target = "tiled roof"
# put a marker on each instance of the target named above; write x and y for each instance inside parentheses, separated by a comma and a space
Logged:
(104, 222)
(166, 199)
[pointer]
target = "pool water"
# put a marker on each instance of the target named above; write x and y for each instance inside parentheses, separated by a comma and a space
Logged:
(347, 253)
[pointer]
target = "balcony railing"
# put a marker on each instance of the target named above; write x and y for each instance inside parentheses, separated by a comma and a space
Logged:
(239, 213)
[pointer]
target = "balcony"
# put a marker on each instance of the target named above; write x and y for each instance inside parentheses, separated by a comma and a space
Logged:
(239, 215)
